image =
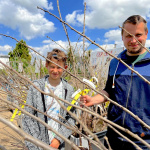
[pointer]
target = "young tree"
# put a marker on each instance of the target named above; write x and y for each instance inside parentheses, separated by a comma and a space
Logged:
(20, 54)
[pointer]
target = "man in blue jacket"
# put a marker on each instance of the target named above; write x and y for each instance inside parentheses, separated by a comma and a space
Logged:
(126, 88)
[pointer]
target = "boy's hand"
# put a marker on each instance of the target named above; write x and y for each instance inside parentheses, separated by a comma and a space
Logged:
(86, 100)
(55, 143)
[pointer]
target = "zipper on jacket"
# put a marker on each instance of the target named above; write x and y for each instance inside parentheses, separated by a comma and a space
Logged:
(128, 95)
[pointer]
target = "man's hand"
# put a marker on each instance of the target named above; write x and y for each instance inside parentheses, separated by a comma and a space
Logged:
(55, 143)
(86, 100)
(97, 99)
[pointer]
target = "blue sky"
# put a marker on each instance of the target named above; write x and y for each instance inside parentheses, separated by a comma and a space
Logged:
(22, 20)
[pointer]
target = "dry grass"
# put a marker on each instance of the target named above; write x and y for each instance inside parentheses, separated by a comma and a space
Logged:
(8, 138)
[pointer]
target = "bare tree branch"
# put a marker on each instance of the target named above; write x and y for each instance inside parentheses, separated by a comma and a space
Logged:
(25, 135)
(120, 60)
(138, 148)
(126, 110)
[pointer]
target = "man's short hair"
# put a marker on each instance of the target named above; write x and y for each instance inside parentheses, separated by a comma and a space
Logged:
(135, 19)
(56, 54)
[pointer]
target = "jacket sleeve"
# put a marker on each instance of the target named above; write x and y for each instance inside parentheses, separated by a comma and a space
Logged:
(30, 125)
(63, 130)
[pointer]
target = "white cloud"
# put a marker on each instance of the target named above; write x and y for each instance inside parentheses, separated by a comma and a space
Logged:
(46, 41)
(31, 5)
(24, 16)
(113, 35)
(106, 47)
(5, 48)
(147, 43)
(73, 18)
(49, 45)
(108, 13)
(98, 39)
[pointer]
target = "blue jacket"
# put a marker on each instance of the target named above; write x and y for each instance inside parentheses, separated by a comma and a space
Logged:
(131, 92)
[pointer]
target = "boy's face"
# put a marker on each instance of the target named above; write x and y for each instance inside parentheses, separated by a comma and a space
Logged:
(54, 71)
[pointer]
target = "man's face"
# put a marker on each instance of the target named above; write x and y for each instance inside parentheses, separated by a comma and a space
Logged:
(132, 46)
(54, 71)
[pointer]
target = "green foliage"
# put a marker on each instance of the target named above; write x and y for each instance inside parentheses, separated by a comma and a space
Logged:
(29, 70)
(20, 51)
(3, 72)
(70, 56)
(44, 71)
(20, 54)
(67, 77)
(88, 55)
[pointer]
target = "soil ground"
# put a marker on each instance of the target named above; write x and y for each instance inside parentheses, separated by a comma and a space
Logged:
(9, 139)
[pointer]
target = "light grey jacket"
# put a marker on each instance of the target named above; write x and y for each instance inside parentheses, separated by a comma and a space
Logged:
(36, 129)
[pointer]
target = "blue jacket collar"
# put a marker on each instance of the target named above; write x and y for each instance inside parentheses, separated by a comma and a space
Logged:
(123, 56)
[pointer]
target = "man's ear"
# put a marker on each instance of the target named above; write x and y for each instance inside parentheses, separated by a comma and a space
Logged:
(146, 32)
(122, 37)
(66, 66)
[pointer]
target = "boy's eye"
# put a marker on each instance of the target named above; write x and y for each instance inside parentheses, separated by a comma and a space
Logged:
(52, 67)
(58, 68)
